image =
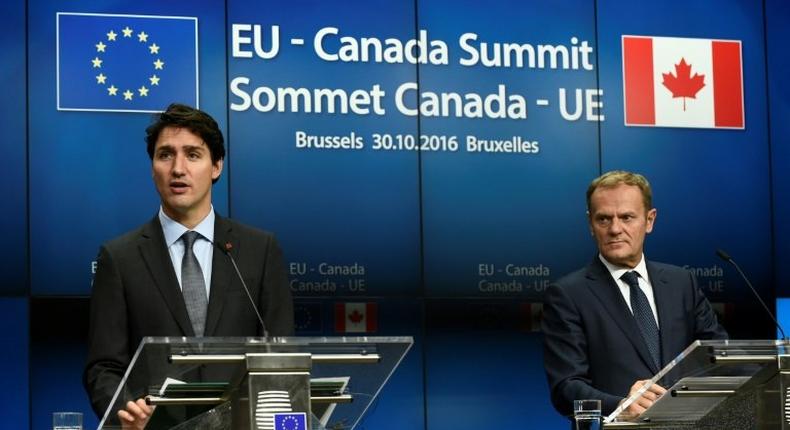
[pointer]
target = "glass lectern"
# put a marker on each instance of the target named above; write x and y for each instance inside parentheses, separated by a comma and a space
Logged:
(719, 384)
(250, 383)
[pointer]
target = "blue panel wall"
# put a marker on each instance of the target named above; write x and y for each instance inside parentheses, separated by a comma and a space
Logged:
(355, 206)
(777, 33)
(485, 211)
(401, 403)
(13, 176)
(454, 245)
(711, 187)
(484, 365)
(14, 362)
(782, 314)
(90, 174)
(58, 350)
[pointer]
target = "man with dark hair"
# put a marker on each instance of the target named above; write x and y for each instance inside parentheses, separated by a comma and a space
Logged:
(165, 278)
(196, 121)
(609, 327)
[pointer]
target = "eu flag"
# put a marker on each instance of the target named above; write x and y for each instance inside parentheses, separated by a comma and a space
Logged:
(290, 421)
(308, 317)
(125, 63)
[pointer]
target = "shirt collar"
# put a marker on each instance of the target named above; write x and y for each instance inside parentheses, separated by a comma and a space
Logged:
(173, 230)
(618, 271)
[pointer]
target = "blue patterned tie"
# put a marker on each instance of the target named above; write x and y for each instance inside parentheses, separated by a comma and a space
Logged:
(644, 316)
(193, 286)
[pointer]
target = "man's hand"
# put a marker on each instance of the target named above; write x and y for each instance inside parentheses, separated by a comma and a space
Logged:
(644, 401)
(136, 415)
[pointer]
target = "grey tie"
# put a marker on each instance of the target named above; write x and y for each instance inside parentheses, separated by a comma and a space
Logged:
(644, 316)
(193, 286)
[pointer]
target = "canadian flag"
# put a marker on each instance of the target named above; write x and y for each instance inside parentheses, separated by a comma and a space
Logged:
(356, 317)
(682, 82)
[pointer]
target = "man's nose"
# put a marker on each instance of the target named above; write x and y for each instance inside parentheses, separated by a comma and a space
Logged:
(616, 226)
(179, 165)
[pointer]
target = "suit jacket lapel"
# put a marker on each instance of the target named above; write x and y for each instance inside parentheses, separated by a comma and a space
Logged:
(222, 272)
(605, 289)
(663, 306)
(157, 259)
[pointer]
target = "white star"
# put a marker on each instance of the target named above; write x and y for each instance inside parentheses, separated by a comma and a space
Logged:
(101, 78)
(96, 63)
(111, 35)
(127, 95)
(127, 32)
(143, 91)
(158, 64)
(100, 47)
(154, 80)
(112, 90)
(154, 48)
(142, 36)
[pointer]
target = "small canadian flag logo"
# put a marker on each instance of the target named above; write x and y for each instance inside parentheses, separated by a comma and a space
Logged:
(356, 317)
(682, 82)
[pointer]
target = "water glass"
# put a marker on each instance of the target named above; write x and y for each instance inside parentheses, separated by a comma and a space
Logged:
(67, 421)
(587, 414)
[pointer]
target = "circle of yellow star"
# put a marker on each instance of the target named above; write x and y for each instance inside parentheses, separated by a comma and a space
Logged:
(102, 79)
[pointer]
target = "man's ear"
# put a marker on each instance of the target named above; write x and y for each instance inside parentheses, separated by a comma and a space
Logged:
(216, 169)
(651, 219)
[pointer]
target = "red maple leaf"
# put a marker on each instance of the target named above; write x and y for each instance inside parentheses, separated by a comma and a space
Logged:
(356, 316)
(682, 84)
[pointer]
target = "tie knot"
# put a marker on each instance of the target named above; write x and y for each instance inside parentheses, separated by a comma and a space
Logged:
(631, 278)
(189, 238)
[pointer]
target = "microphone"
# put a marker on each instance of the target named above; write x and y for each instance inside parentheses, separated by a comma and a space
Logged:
(226, 248)
(726, 257)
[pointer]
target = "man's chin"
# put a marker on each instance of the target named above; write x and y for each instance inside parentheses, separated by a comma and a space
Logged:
(618, 259)
(177, 206)
(178, 201)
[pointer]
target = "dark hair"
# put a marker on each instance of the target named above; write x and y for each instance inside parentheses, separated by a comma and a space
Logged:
(194, 120)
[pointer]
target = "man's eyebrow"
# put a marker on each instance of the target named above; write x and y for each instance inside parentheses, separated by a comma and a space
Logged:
(167, 147)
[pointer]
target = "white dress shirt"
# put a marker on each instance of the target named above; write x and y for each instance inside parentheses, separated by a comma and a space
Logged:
(203, 248)
(625, 290)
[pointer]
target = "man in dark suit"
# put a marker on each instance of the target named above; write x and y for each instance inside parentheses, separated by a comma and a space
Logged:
(171, 276)
(612, 325)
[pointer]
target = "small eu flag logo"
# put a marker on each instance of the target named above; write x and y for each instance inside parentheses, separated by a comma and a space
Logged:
(125, 63)
(290, 421)
(307, 317)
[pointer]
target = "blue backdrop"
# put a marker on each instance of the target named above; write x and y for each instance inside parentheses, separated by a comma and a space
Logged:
(453, 244)
(777, 33)
(13, 177)
(712, 187)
